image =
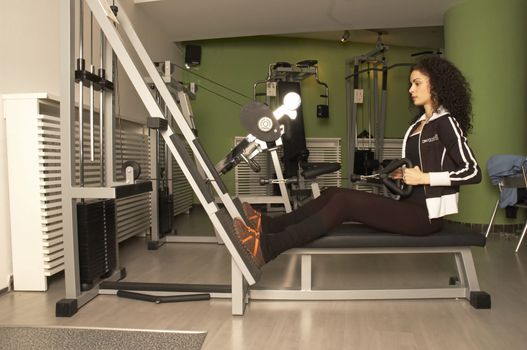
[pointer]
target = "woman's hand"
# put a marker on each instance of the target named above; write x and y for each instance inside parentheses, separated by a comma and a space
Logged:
(414, 176)
(397, 174)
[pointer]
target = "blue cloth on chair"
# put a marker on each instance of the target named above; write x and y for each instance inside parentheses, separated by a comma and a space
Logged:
(503, 165)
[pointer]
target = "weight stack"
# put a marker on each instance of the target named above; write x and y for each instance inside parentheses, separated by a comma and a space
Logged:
(97, 240)
(166, 212)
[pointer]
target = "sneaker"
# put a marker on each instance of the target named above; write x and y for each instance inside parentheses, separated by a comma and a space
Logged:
(254, 216)
(250, 240)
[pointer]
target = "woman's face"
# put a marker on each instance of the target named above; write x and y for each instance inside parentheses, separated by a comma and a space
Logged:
(420, 88)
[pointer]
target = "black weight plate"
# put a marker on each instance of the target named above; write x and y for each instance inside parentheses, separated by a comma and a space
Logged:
(257, 112)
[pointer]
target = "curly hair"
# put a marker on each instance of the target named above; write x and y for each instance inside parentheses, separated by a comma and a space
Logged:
(448, 88)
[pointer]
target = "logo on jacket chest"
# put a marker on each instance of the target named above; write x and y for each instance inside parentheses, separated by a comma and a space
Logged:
(430, 139)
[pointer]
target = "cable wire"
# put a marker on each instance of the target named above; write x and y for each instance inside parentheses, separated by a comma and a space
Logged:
(214, 82)
(220, 95)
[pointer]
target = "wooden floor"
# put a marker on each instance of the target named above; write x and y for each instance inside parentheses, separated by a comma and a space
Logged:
(401, 324)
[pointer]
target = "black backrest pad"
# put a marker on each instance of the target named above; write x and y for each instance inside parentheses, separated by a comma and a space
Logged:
(361, 236)
(191, 166)
(211, 166)
(294, 139)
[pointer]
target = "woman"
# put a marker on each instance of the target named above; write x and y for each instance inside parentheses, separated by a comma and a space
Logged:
(436, 142)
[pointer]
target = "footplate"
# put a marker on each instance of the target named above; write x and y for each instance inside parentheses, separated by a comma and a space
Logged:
(250, 266)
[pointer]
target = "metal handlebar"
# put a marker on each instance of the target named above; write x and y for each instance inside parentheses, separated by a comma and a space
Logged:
(395, 186)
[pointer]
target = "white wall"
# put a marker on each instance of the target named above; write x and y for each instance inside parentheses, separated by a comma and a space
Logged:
(29, 62)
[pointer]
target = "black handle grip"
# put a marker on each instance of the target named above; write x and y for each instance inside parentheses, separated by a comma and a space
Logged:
(396, 164)
(355, 177)
(253, 165)
(395, 186)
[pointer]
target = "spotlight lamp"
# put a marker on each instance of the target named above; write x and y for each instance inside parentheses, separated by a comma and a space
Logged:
(292, 101)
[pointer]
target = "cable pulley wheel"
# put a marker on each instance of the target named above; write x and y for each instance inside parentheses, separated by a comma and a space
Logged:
(258, 119)
(135, 166)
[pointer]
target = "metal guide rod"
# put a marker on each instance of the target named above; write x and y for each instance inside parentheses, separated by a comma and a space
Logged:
(92, 97)
(375, 108)
(81, 91)
(352, 115)
(379, 139)
(371, 114)
(67, 112)
(101, 109)
(351, 140)
(281, 184)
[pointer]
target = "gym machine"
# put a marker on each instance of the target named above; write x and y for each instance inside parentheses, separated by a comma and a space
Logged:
(90, 245)
(244, 271)
(162, 163)
(285, 71)
(366, 150)
(362, 161)
(283, 78)
(265, 133)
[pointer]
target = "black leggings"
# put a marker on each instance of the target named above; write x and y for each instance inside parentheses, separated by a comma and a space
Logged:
(337, 205)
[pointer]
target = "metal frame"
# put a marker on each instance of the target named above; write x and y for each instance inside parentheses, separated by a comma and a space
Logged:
(283, 198)
(70, 193)
(294, 73)
(468, 281)
(351, 106)
(181, 94)
(242, 272)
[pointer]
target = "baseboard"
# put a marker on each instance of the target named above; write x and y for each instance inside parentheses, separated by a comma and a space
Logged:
(4, 290)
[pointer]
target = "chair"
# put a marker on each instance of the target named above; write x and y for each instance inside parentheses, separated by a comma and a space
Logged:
(511, 182)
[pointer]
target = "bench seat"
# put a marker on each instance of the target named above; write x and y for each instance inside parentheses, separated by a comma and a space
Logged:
(361, 236)
(349, 239)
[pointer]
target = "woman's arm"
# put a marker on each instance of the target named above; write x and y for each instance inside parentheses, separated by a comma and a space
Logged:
(467, 170)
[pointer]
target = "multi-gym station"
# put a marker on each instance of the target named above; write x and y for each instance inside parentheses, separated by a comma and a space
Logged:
(244, 175)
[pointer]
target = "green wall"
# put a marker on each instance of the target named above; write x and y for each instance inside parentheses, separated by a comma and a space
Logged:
(486, 39)
(238, 63)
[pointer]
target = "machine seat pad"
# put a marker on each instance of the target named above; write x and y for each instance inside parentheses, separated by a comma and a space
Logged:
(361, 236)
(312, 170)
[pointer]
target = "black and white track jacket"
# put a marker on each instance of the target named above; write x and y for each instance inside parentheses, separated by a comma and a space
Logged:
(447, 158)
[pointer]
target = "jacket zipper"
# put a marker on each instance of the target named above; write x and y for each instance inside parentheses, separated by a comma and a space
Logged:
(421, 163)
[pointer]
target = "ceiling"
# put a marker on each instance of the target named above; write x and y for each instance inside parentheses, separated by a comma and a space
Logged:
(402, 21)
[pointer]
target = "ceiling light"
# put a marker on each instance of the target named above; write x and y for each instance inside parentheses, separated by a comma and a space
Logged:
(345, 36)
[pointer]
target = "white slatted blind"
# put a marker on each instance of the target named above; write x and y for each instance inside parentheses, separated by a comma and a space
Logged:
(181, 190)
(34, 147)
(247, 182)
(92, 169)
(325, 150)
(392, 147)
(50, 192)
(133, 213)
